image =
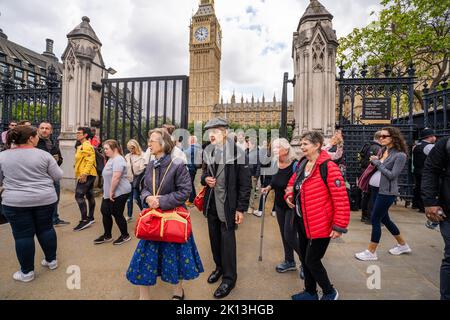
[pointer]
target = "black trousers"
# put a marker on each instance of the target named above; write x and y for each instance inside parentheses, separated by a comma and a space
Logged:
(311, 254)
(223, 247)
(86, 190)
(366, 205)
(114, 209)
(417, 200)
(288, 232)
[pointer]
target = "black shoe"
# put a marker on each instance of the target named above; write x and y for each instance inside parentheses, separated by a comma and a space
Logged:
(60, 223)
(82, 225)
(302, 273)
(122, 240)
(365, 219)
(215, 276)
(223, 290)
(175, 297)
(102, 239)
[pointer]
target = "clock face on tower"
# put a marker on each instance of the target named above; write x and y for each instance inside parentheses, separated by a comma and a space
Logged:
(201, 34)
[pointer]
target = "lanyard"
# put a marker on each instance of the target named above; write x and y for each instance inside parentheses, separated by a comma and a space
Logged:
(162, 180)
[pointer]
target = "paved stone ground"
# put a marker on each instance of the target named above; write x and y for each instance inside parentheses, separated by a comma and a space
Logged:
(103, 267)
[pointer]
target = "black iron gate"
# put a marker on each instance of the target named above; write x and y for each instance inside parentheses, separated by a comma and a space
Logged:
(32, 101)
(394, 94)
(133, 106)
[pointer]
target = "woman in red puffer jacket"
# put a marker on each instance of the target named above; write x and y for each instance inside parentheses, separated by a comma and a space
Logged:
(317, 192)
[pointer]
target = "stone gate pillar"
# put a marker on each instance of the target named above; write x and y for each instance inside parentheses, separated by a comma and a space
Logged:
(81, 91)
(314, 54)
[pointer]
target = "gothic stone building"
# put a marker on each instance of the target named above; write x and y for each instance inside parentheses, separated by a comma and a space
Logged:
(260, 113)
(27, 68)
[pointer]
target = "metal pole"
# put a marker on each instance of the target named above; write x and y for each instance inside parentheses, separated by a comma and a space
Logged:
(262, 227)
(283, 131)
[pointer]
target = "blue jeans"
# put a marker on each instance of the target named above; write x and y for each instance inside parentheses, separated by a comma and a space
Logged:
(135, 194)
(445, 266)
(58, 193)
(25, 224)
(380, 214)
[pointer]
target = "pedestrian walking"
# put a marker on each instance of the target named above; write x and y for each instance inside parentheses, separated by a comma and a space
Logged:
(322, 212)
(254, 165)
(166, 186)
(116, 192)
(286, 163)
(436, 199)
(136, 164)
(27, 175)
(85, 173)
(227, 177)
(194, 155)
(45, 143)
(384, 189)
(369, 149)
(420, 152)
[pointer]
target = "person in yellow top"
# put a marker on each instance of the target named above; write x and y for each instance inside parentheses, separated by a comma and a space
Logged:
(85, 172)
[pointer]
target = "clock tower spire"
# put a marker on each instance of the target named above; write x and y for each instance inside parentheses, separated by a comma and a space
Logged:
(205, 55)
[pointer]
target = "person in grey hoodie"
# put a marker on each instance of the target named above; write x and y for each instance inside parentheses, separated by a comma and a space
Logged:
(384, 186)
(29, 198)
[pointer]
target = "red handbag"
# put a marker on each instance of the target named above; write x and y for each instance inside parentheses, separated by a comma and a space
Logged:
(166, 226)
(200, 199)
(363, 181)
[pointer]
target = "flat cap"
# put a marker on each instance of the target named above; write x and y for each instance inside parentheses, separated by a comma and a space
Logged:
(216, 123)
(427, 132)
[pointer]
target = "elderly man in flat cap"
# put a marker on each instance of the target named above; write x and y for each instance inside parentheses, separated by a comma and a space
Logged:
(228, 181)
(420, 153)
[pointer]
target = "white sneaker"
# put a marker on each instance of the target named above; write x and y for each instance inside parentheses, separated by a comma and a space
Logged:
(257, 213)
(20, 276)
(366, 255)
(51, 265)
(399, 249)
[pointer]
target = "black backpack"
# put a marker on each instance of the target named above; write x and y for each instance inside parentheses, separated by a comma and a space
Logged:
(100, 161)
(363, 157)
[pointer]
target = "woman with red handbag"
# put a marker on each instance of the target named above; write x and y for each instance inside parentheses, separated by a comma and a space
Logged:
(173, 262)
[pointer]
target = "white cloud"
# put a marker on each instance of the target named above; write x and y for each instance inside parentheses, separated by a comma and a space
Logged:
(150, 37)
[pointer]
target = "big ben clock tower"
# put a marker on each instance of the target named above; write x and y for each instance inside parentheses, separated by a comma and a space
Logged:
(205, 55)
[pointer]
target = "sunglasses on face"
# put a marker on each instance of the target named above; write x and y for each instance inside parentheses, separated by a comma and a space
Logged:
(383, 136)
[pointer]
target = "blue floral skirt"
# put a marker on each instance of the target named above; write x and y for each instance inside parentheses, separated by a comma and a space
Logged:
(170, 261)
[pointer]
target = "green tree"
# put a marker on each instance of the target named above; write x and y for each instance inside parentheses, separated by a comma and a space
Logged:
(405, 31)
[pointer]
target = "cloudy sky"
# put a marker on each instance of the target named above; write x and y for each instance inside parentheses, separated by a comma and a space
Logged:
(150, 37)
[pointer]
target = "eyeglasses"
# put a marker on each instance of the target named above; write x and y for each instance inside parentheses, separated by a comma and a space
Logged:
(383, 136)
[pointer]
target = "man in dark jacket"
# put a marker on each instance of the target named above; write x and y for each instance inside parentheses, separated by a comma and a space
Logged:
(420, 152)
(436, 198)
(369, 149)
(45, 143)
(227, 177)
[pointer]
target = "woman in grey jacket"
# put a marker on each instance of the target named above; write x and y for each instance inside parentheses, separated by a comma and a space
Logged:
(384, 189)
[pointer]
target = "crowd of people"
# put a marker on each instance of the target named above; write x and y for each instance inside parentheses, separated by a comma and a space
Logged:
(311, 201)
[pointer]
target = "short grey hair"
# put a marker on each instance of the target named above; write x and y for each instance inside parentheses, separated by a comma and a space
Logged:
(315, 137)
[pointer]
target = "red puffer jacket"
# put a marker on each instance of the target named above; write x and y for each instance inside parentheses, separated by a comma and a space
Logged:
(323, 209)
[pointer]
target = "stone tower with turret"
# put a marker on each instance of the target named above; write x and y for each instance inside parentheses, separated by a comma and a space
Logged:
(314, 53)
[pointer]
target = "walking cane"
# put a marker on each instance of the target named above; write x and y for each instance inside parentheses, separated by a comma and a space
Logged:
(262, 226)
